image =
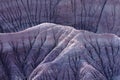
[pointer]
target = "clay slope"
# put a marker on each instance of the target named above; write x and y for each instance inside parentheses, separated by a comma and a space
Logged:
(96, 16)
(55, 52)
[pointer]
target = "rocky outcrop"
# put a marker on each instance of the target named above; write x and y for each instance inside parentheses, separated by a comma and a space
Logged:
(55, 52)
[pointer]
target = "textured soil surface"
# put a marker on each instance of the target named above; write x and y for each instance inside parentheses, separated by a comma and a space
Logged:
(55, 52)
(99, 16)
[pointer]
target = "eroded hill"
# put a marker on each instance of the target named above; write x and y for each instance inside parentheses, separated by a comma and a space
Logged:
(55, 52)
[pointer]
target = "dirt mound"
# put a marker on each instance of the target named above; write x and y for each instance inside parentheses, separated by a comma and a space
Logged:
(55, 52)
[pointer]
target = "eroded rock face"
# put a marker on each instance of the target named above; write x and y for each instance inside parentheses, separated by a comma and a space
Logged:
(55, 52)
(97, 16)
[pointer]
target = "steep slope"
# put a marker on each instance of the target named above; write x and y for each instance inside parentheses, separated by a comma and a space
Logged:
(55, 52)
(97, 16)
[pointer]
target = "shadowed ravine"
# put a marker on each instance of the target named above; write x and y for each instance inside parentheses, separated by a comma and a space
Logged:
(55, 52)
